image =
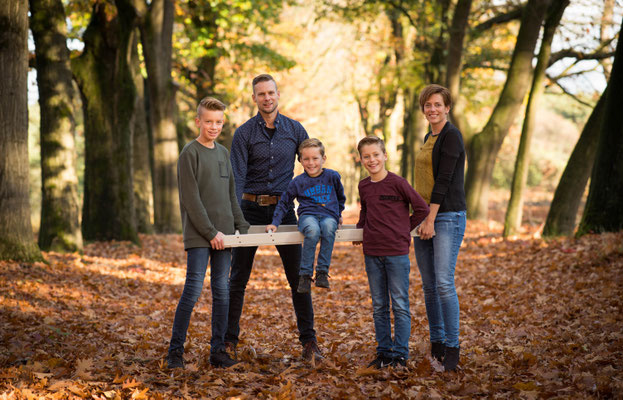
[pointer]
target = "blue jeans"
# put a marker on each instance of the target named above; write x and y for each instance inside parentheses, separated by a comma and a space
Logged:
(196, 265)
(317, 228)
(388, 277)
(242, 263)
(436, 260)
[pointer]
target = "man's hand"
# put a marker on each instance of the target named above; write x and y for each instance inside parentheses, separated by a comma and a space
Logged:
(270, 228)
(218, 242)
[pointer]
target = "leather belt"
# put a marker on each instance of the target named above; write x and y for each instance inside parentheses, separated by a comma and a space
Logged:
(261, 199)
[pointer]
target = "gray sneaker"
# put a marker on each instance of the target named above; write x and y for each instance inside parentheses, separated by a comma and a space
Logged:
(304, 284)
(322, 280)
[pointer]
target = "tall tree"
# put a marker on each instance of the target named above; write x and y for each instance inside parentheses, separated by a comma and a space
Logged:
(156, 26)
(16, 237)
(141, 147)
(485, 146)
(108, 97)
(514, 211)
(570, 190)
(454, 61)
(603, 211)
(60, 205)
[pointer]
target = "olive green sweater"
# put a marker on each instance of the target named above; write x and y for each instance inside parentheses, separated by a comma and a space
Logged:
(207, 194)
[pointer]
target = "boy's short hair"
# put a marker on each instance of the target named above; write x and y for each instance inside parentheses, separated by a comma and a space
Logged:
(211, 104)
(371, 139)
(263, 78)
(308, 143)
(435, 89)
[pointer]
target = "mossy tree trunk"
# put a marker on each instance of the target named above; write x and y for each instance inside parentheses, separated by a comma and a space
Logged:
(60, 205)
(604, 206)
(108, 97)
(143, 190)
(514, 211)
(16, 237)
(156, 37)
(563, 211)
(484, 146)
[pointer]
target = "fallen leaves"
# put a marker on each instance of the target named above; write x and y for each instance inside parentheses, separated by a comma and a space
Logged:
(539, 319)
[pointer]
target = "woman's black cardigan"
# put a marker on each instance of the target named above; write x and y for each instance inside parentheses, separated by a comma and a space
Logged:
(448, 170)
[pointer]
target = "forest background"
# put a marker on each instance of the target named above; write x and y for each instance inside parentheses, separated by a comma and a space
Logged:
(92, 162)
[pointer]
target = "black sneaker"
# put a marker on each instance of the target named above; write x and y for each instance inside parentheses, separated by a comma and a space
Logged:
(451, 360)
(175, 359)
(304, 284)
(322, 280)
(380, 361)
(438, 351)
(311, 349)
(220, 359)
(399, 362)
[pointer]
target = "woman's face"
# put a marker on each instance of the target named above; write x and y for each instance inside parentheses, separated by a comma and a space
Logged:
(435, 110)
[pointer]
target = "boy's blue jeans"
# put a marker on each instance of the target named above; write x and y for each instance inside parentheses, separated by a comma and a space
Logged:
(197, 262)
(316, 228)
(388, 277)
(436, 260)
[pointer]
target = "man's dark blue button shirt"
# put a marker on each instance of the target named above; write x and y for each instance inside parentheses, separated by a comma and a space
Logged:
(261, 164)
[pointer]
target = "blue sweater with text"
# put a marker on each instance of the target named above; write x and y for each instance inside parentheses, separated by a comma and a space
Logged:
(322, 195)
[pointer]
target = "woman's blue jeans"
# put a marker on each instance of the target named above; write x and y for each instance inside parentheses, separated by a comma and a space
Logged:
(316, 228)
(388, 277)
(436, 260)
(197, 263)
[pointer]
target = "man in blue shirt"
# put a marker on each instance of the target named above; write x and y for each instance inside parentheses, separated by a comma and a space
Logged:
(262, 156)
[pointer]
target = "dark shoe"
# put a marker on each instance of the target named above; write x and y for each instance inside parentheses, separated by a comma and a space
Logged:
(322, 280)
(175, 359)
(381, 361)
(451, 360)
(230, 348)
(220, 359)
(438, 351)
(304, 284)
(399, 362)
(311, 349)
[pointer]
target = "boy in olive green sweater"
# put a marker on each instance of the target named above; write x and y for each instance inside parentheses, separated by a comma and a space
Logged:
(209, 210)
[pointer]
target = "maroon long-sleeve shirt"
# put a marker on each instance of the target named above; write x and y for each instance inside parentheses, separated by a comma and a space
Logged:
(385, 217)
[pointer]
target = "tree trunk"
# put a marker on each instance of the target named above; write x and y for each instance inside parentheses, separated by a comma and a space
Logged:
(568, 196)
(413, 135)
(16, 237)
(605, 28)
(156, 38)
(485, 146)
(143, 192)
(604, 211)
(514, 211)
(60, 205)
(454, 61)
(108, 97)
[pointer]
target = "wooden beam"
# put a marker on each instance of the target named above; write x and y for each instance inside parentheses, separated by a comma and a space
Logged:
(287, 234)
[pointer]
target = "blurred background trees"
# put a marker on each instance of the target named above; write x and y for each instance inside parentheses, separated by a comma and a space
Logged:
(117, 83)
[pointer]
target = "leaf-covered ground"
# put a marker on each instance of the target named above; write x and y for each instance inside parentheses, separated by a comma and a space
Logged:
(539, 319)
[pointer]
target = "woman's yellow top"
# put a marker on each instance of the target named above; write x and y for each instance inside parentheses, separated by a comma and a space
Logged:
(424, 179)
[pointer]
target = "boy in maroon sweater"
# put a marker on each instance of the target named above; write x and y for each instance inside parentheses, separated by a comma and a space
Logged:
(385, 199)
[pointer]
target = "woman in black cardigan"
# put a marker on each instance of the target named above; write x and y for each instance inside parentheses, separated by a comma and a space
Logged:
(439, 171)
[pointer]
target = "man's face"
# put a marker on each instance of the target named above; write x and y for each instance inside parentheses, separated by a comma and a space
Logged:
(266, 96)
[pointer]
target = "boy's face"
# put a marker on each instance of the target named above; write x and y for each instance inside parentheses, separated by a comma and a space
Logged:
(373, 158)
(210, 124)
(312, 161)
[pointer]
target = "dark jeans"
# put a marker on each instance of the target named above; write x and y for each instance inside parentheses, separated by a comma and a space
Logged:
(242, 263)
(196, 265)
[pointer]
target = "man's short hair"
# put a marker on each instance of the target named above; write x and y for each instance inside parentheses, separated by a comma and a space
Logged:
(211, 104)
(309, 143)
(371, 139)
(263, 78)
(435, 89)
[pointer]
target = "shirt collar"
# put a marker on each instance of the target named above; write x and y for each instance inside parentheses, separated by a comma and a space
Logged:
(261, 121)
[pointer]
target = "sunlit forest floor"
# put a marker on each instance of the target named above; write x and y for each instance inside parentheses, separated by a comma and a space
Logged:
(539, 319)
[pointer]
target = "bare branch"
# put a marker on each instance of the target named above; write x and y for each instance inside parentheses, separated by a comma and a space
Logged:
(498, 20)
